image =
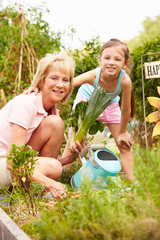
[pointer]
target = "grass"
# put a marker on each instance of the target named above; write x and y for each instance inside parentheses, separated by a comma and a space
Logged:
(122, 211)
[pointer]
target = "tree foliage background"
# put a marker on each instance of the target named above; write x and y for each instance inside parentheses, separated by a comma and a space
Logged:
(23, 43)
(150, 85)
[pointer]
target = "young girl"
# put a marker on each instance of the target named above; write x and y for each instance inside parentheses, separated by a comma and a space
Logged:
(112, 76)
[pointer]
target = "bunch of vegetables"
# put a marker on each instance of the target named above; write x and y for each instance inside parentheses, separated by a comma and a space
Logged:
(84, 117)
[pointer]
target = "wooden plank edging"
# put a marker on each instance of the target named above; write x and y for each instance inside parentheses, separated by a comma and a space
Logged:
(9, 230)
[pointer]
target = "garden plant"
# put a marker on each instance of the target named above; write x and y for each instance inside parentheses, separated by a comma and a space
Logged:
(22, 160)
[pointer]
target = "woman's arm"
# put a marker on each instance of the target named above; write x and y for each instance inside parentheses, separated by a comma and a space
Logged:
(87, 77)
(18, 135)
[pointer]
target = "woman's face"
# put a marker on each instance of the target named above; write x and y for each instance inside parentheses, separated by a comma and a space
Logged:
(55, 87)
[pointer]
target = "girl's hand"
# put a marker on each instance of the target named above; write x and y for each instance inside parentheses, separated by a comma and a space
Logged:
(124, 140)
(31, 89)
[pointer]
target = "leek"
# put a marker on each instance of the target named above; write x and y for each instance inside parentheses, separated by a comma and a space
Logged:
(84, 117)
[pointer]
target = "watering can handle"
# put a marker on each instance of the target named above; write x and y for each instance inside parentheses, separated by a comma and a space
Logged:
(91, 156)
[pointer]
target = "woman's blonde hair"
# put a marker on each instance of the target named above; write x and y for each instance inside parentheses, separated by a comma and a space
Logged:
(54, 62)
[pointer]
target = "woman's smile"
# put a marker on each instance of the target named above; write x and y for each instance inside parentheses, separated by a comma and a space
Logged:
(56, 87)
(57, 92)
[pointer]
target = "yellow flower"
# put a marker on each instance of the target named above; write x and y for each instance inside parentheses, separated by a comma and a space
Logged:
(23, 179)
(155, 116)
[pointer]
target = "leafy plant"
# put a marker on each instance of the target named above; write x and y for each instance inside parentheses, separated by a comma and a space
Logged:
(22, 160)
(25, 38)
(148, 47)
(84, 117)
(123, 210)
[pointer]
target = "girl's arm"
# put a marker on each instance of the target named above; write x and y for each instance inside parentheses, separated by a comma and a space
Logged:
(126, 87)
(87, 77)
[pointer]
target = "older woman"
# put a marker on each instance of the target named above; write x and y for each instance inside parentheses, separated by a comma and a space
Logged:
(34, 120)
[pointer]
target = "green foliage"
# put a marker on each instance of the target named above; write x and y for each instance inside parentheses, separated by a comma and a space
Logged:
(86, 114)
(150, 85)
(151, 30)
(68, 173)
(124, 210)
(23, 160)
(25, 38)
(78, 115)
(87, 58)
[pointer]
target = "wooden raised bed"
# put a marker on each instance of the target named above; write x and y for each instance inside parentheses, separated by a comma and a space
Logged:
(9, 230)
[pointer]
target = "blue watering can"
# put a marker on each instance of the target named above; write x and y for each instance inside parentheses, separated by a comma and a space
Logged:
(102, 163)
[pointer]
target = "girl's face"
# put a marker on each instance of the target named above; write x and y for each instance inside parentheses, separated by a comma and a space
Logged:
(112, 60)
(55, 87)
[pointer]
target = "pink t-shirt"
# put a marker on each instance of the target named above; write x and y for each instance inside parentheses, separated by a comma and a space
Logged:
(24, 110)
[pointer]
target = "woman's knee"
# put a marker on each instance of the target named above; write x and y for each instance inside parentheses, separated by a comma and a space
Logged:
(54, 121)
(54, 169)
(58, 169)
(49, 167)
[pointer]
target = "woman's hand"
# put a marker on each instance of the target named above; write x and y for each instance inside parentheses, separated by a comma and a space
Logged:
(31, 89)
(124, 140)
(77, 148)
(69, 156)
(58, 190)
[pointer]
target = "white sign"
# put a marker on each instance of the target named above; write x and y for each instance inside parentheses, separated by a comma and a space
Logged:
(152, 69)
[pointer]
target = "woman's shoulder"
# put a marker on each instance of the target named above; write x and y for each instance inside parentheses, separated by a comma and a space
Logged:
(27, 98)
(23, 102)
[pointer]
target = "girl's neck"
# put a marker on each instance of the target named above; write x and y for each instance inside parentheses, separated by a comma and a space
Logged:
(108, 82)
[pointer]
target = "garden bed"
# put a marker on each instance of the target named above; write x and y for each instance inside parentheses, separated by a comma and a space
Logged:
(123, 210)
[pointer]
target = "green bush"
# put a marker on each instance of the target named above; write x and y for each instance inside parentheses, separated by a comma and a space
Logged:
(124, 210)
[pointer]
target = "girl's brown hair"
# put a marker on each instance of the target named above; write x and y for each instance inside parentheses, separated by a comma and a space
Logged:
(114, 42)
